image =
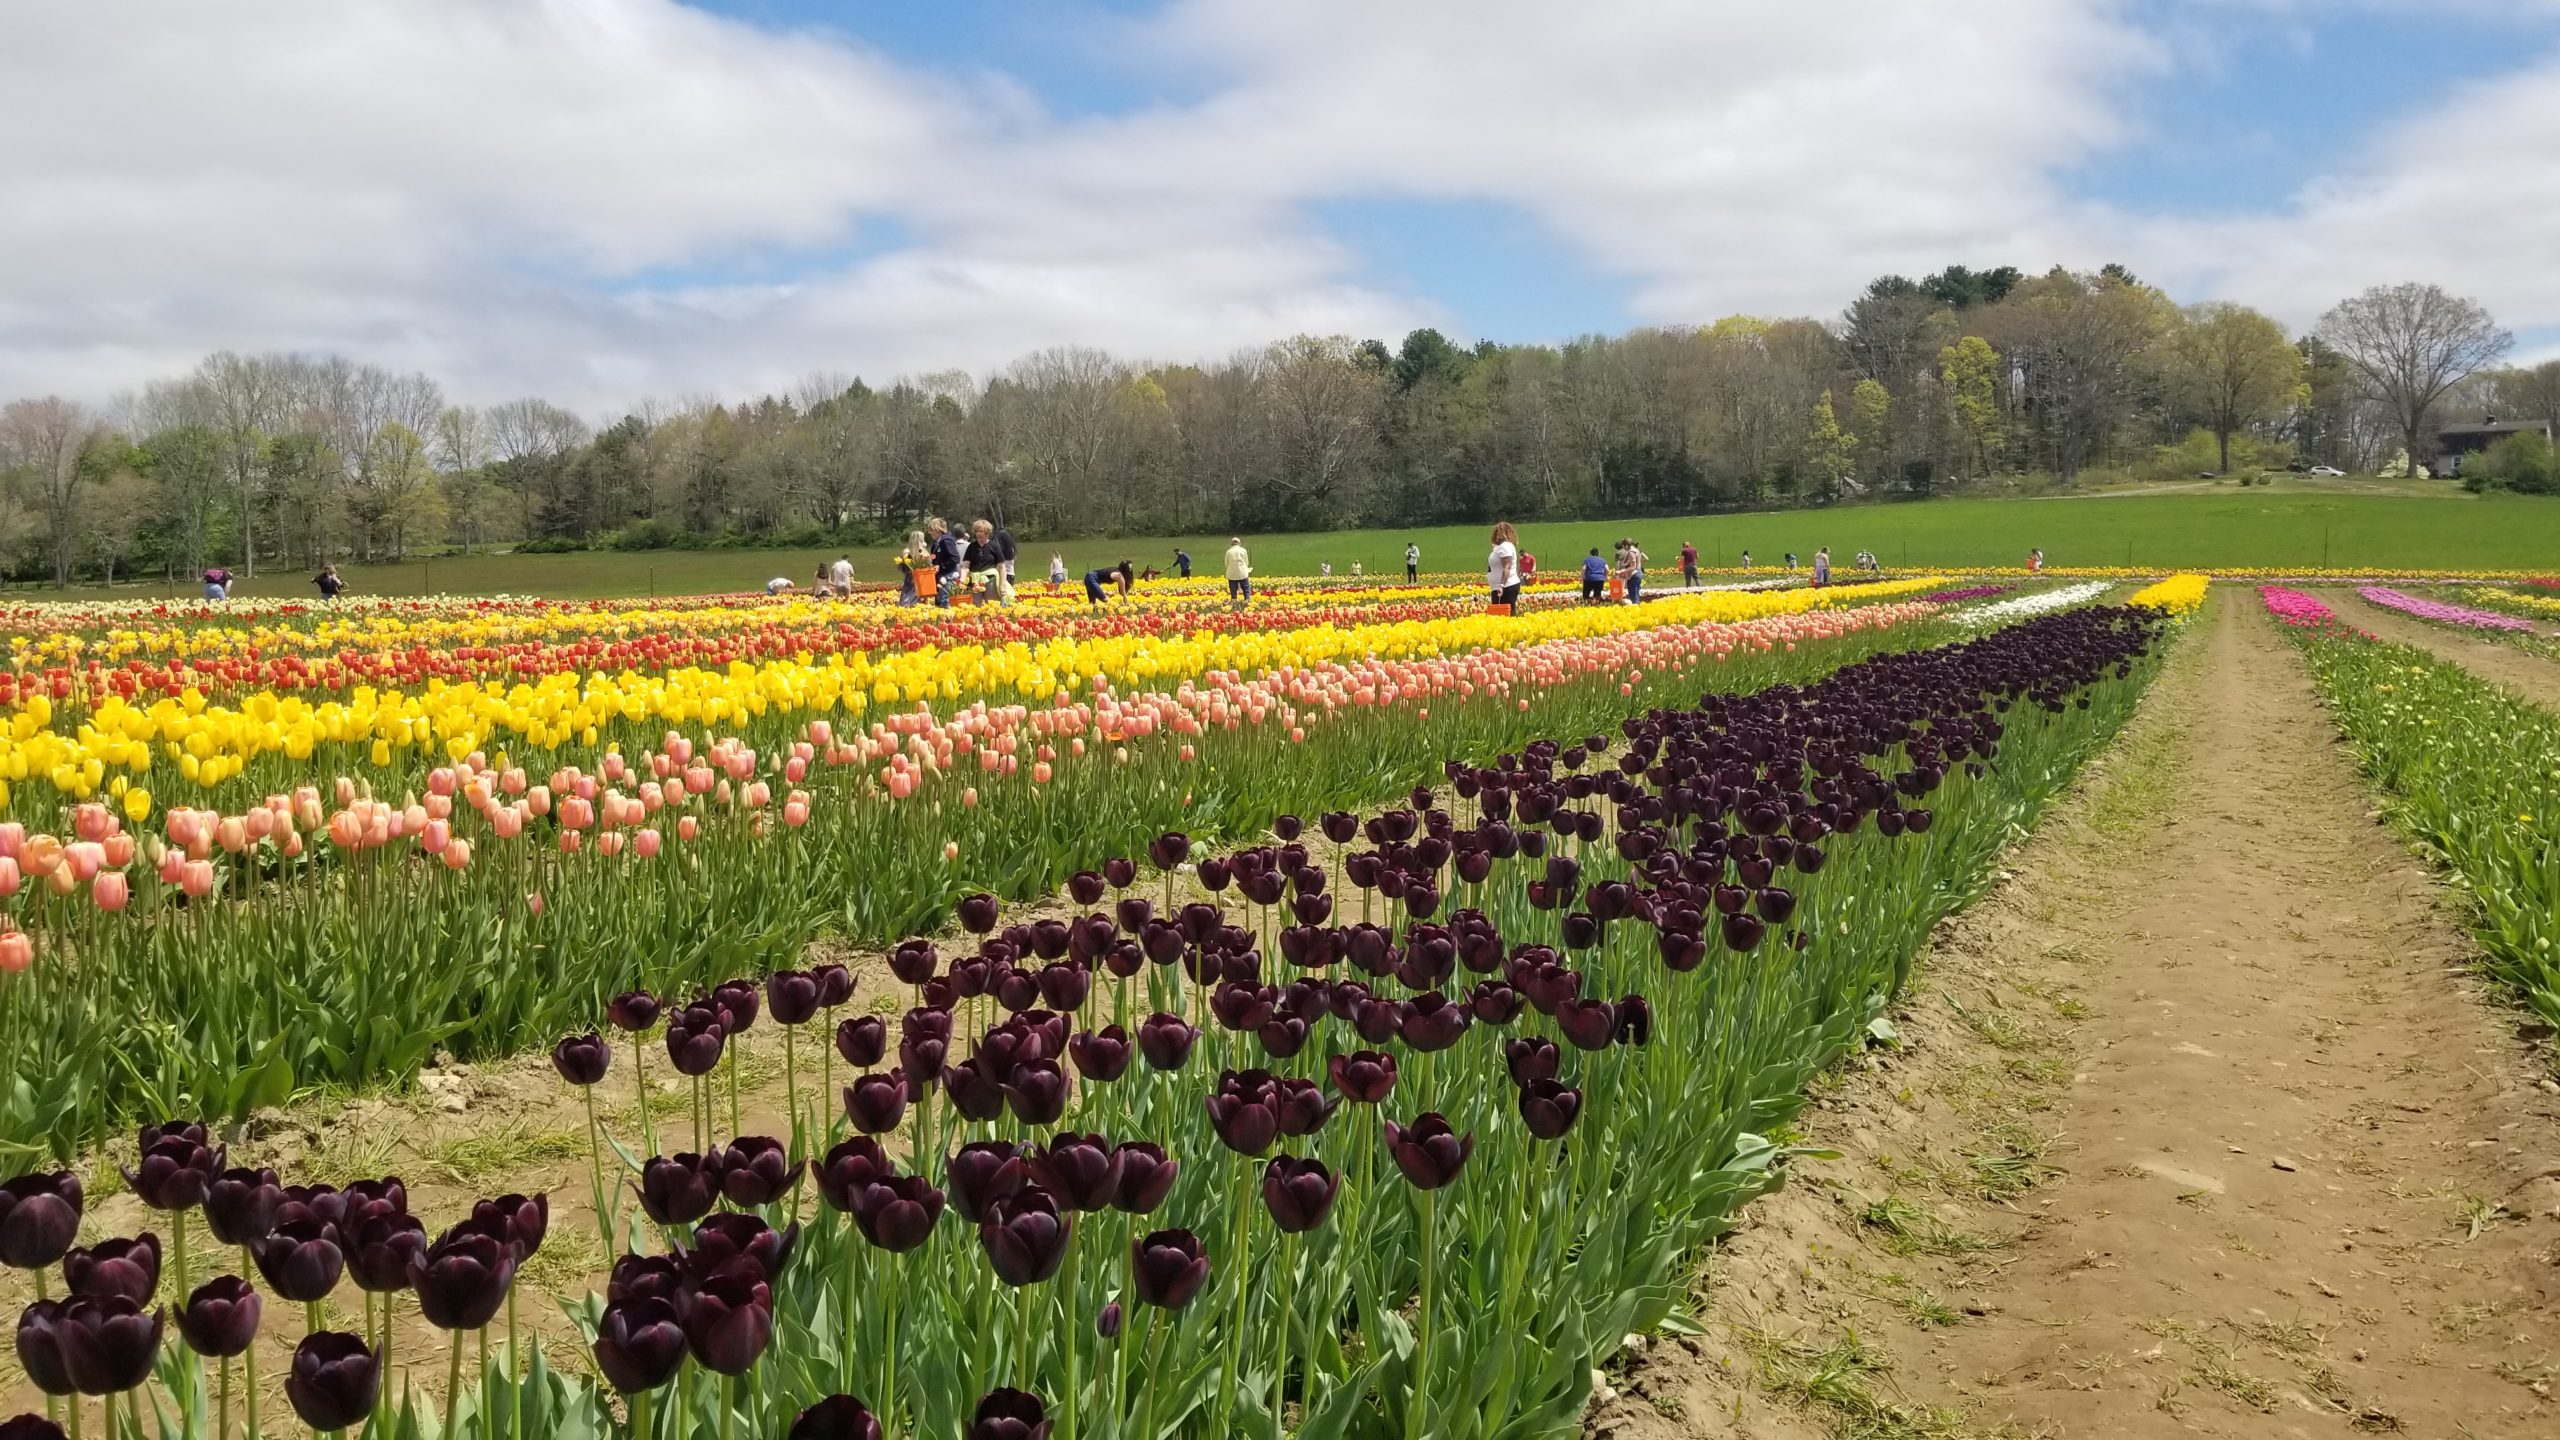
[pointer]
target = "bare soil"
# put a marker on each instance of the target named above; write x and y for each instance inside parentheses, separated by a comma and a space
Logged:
(2199, 1124)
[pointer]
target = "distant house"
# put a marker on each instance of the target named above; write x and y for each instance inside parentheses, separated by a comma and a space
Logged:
(2455, 441)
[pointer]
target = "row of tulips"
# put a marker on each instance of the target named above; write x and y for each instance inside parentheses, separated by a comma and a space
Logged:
(267, 742)
(1328, 1247)
(314, 938)
(2470, 773)
(2461, 617)
(2032, 603)
(2524, 602)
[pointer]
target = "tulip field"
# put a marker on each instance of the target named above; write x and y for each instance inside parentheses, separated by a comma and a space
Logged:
(1342, 1020)
(2471, 775)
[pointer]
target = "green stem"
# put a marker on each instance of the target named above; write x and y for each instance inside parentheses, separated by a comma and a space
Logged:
(1155, 1374)
(1288, 1317)
(1023, 1375)
(735, 1060)
(791, 1084)
(640, 1087)
(595, 1172)
(452, 1383)
(515, 1389)
(1240, 1203)
(77, 1405)
(729, 1412)
(640, 1416)
(1420, 1406)
(1068, 1336)
(889, 1358)
(488, 1394)
(222, 1406)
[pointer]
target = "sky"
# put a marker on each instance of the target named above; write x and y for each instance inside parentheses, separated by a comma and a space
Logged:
(601, 201)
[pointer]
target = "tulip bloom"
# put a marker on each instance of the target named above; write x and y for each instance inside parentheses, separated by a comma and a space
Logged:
(639, 1344)
(462, 1280)
(581, 1059)
(221, 1318)
(1167, 1268)
(838, 1417)
(1298, 1193)
(334, 1381)
(39, 1219)
(1429, 1153)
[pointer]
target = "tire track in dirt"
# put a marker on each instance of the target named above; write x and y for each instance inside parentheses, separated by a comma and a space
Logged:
(2199, 1127)
(2530, 675)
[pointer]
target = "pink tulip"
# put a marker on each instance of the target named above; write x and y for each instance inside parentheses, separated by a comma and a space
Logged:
(795, 812)
(110, 891)
(506, 822)
(645, 842)
(197, 881)
(346, 790)
(1040, 772)
(17, 952)
(570, 841)
(13, 838)
(91, 821)
(438, 807)
(457, 854)
(306, 807)
(614, 769)
(441, 782)
(609, 843)
(688, 827)
(533, 902)
(438, 834)
(84, 858)
(232, 834)
(10, 880)
(950, 849)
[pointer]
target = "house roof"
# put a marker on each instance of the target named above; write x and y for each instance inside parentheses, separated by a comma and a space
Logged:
(2503, 427)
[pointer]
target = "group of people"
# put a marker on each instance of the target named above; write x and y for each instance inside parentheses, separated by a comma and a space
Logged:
(978, 561)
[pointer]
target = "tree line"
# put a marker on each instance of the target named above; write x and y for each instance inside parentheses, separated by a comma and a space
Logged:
(1919, 387)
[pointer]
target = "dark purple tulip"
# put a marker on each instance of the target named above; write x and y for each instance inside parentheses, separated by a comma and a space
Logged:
(757, 1170)
(1549, 1109)
(915, 961)
(1163, 940)
(679, 1189)
(462, 1279)
(639, 1344)
(838, 1417)
(1122, 873)
(877, 1104)
(1775, 903)
(1429, 1153)
(695, 1037)
(729, 1235)
(1082, 1171)
(39, 1218)
(855, 1162)
(220, 1318)
(792, 996)
(1376, 1021)
(130, 1268)
(1166, 1040)
(1366, 1077)
(174, 1172)
(972, 1092)
(1214, 875)
(1242, 1007)
(1146, 1176)
(897, 1214)
(644, 1277)
(1064, 985)
(1085, 887)
(1288, 827)
(1889, 822)
(363, 1199)
(1339, 826)
(1682, 951)
(1025, 1236)
(1495, 1003)
(379, 1250)
(1167, 1268)
(1743, 932)
(1105, 1324)
(1037, 1093)
(1049, 938)
(581, 1059)
(978, 913)
(835, 984)
(1587, 1024)
(1298, 1193)
(1133, 912)
(107, 1346)
(1634, 1022)
(738, 1002)
(1431, 1021)
(981, 1173)
(334, 1381)
(862, 1040)
(1100, 1055)
(1580, 931)
(240, 1205)
(1283, 1035)
(1201, 923)
(633, 1011)
(1301, 1106)
(1008, 1414)
(1245, 1111)
(35, 1427)
(1918, 821)
(1091, 938)
(728, 1318)
(301, 1261)
(40, 1348)
(1169, 849)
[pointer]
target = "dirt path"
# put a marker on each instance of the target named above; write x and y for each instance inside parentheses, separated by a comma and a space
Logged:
(2197, 1128)
(2530, 675)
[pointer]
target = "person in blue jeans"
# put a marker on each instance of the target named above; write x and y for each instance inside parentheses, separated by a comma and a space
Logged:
(1595, 576)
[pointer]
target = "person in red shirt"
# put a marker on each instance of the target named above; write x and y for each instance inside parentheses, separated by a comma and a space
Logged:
(1689, 564)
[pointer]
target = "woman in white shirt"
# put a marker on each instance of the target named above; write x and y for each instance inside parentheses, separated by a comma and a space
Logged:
(1502, 567)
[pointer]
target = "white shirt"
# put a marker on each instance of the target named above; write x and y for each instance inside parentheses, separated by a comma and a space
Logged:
(1239, 565)
(776, 585)
(1502, 567)
(843, 572)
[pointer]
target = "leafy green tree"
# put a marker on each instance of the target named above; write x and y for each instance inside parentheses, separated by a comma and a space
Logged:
(2234, 368)
(1830, 454)
(1970, 370)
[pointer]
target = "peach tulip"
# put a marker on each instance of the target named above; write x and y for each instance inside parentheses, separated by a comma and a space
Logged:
(17, 952)
(609, 843)
(9, 877)
(438, 834)
(645, 843)
(13, 838)
(197, 879)
(110, 890)
(538, 800)
(688, 828)
(457, 854)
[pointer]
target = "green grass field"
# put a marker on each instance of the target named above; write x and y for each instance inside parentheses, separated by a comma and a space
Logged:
(2217, 527)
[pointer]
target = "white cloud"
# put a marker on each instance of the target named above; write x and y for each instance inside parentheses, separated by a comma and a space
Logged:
(470, 187)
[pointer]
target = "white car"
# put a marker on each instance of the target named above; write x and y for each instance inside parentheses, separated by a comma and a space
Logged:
(2327, 470)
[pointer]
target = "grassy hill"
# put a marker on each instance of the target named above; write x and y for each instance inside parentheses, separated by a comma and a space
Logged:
(2213, 526)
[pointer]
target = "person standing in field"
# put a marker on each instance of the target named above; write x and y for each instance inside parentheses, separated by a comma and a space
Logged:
(1412, 560)
(1688, 564)
(843, 575)
(1057, 571)
(331, 587)
(1746, 560)
(2035, 561)
(1502, 565)
(1635, 571)
(991, 560)
(1182, 563)
(1822, 566)
(1791, 559)
(1595, 577)
(950, 559)
(1239, 573)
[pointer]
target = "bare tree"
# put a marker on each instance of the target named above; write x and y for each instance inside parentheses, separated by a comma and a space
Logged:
(245, 396)
(45, 440)
(2411, 343)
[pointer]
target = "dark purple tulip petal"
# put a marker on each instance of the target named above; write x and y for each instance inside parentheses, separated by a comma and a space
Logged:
(1549, 1109)
(1167, 1268)
(639, 1344)
(106, 1346)
(838, 1417)
(1428, 1152)
(728, 1318)
(301, 1261)
(39, 1219)
(633, 1011)
(220, 1318)
(1025, 1236)
(334, 1380)
(1146, 1176)
(862, 1040)
(853, 1164)
(679, 1189)
(582, 1059)
(462, 1280)
(981, 1173)
(877, 1104)
(1298, 1193)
